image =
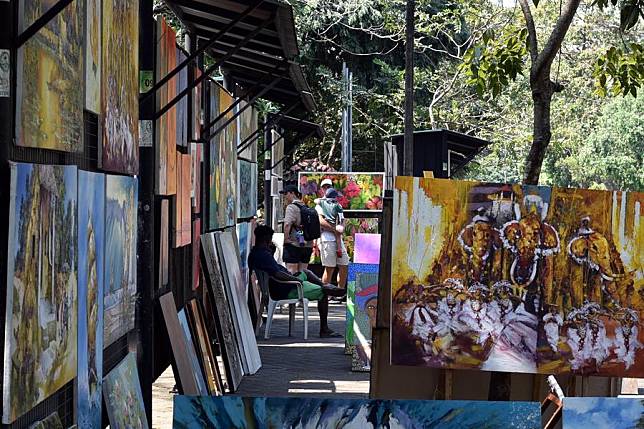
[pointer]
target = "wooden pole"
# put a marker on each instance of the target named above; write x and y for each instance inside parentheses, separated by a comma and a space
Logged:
(408, 162)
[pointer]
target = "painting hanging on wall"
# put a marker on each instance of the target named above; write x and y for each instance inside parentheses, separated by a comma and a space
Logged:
(365, 303)
(518, 278)
(91, 253)
(247, 125)
(120, 86)
(603, 413)
(183, 207)
(244, 413)
(246, 189)
(93, 41)
(123, 397)
(164, 244)
(166, 148)
(358, 191)
(121, 204)
(196, 262)
(196, 106)
(40, 351)
(196, 152)
(50, 81)
(182, 105)
(244, 242)
(352, 275)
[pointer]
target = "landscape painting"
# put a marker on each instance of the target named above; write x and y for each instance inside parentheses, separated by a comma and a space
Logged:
(603, 413)
(91, 253)
(121, 204)
(93, 42)
(358, 191)
(166, 147)
(50, 80)
(247, 124)
(40, 351)
(123, 397)
(120, 86)
(228, 159)
(518, 278)
(245, 413)
(365, 304)
(216, 181)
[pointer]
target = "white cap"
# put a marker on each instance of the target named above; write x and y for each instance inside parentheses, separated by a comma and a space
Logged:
(326, 182)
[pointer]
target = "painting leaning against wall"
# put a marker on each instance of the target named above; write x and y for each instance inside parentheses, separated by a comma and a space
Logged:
(50, 81)
(121, 203)
(517, 278)
(91, 253)
(41, 314)
(123, 396)
(120, 86)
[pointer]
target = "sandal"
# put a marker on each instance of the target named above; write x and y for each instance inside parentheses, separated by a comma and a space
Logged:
(330, 334)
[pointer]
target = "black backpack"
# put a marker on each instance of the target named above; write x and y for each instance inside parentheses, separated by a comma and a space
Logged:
(310, 222)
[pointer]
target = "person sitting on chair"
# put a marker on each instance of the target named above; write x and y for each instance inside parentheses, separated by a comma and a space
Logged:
(261, 258)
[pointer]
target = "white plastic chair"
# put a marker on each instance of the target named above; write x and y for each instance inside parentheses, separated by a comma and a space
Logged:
(263, 279)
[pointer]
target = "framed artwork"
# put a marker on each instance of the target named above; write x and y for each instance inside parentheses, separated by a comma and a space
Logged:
(120, 86)
(196, 244)
(182, 105)
(121, 205)
(246, 189)
(91, 266)
(247, 125)
(196, 153)
(197, 113)
(221, 308)
(183, 207)
(244, 413)
(166, 148)
(352, 227)
(602, 413)
(238, 301)
(123, 397)
(179, 345)
(50, 81)
(365, 303)
(358, 191)
(352, 275)
(93, 42)
(52, 421)
(518, 278)
(244, 244)
(208, 358)
(366, 248)
(192, 354)
(40, 350)
(164, 243)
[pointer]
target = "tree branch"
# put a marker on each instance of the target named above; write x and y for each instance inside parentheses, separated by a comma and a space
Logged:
(549, 52)
(532, 31)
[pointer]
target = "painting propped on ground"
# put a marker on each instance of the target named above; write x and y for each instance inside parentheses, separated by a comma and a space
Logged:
(50, 81)
(120, 86)
(518, 278)
(352, 275)
(247, 413)
(602, 413)
(358, 191)
(91, 253)
(123, 397)
(121, 203)
(365, 303)
(41, 314)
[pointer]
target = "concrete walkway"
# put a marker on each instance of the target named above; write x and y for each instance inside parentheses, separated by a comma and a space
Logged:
(291, 366)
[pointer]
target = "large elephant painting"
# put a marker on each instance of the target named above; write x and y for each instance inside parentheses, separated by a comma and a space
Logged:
(517, 278)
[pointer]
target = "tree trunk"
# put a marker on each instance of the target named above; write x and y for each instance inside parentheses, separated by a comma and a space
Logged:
(542, 90)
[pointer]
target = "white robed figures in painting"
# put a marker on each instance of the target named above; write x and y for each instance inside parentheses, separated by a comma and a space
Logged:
(552, 323)
(626, 342)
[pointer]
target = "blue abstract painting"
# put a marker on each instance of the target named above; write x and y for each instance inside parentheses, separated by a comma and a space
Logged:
(91, 249)
(353, 271)
(603, 413)
(192, 412)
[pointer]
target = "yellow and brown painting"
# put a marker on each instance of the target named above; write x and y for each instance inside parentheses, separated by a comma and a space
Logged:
(49, 102)
(517, 278)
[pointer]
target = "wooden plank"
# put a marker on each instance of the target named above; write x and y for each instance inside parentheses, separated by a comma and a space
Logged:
(206, 355)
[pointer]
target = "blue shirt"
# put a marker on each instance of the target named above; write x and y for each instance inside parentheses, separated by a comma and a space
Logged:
(261, 258)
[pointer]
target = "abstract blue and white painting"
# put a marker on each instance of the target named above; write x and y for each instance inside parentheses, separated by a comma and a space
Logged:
(192, 412)
(603, 413)
(121, 204)
(91, 253)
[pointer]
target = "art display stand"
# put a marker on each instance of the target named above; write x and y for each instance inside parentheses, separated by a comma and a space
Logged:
(408, 382)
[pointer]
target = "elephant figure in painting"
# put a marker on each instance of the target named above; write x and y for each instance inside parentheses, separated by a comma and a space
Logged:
(481, 240)
(530, 240)
(604, 269)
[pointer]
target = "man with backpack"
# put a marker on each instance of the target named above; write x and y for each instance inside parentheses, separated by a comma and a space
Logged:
(301, 227)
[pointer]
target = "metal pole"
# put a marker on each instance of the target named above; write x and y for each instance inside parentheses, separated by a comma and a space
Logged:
(349, 120)
(268, 198)
(408, 162)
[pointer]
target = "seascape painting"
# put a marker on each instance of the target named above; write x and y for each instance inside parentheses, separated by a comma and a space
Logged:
(365, 304)
(517, 278)
(121, 205)
(50, 80)
(40, 351)
(358, 191)
(120, 86)
(93, 32)
(166, 147)
(352, 275)
(123, 397)
(309, 413)
(91, 253)
(603, 413)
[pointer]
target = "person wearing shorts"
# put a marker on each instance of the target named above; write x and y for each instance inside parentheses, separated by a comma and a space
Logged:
(261, 258)
(332, 253)
(297, 252)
